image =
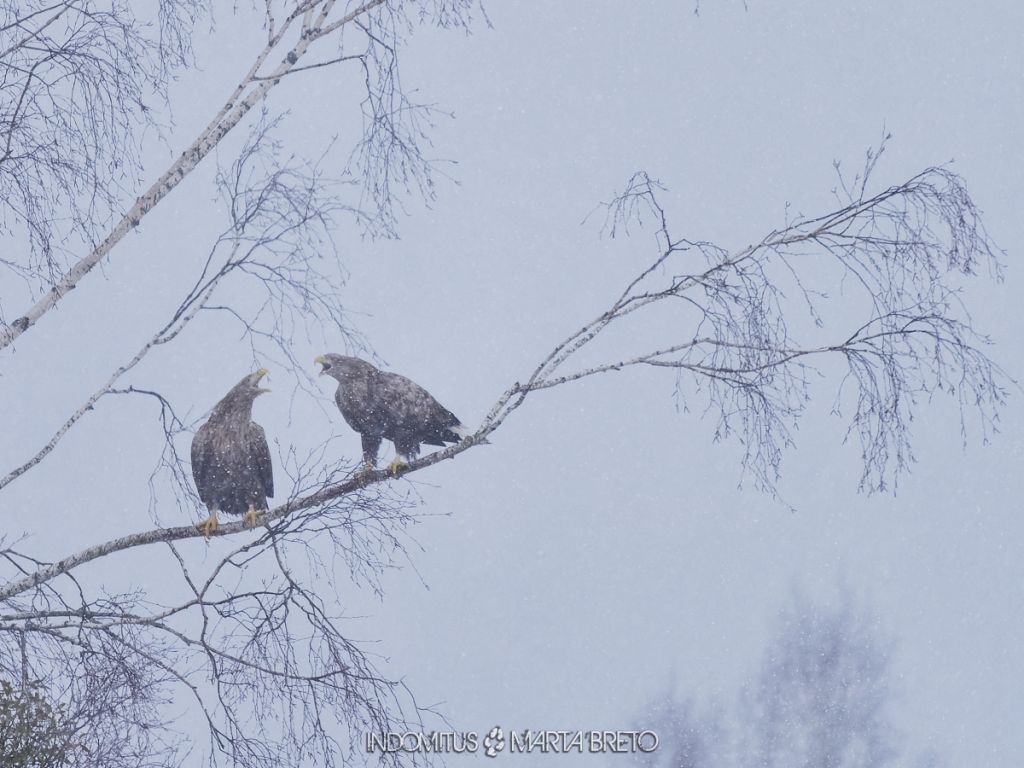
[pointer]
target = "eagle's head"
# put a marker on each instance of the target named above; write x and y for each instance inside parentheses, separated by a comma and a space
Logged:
(237, 403)
(249, 387)
(342, 367)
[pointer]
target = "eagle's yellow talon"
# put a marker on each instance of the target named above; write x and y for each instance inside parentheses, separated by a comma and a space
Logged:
(249, 518)
(396, 466)
(209, 525)
(364, 470)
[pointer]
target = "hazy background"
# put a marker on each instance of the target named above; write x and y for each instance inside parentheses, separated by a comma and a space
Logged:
(599, 552)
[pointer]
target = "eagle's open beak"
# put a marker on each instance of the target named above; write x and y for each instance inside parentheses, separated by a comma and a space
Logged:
(259, 375)
(321, 360)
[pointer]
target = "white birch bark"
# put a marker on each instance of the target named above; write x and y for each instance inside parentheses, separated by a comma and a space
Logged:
(250, 91)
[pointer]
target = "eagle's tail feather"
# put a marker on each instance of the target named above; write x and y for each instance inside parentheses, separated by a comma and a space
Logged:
(461, 432)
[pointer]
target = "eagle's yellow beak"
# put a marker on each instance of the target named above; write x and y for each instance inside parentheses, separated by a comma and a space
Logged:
(259, 374)
(320, 360)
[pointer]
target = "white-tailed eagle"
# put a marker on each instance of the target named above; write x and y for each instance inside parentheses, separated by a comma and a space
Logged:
(231, 459)
(378, 404)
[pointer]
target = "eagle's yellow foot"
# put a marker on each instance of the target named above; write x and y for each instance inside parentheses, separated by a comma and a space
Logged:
(396, 466)
(249, 518)
(209, 525)
(364, 470)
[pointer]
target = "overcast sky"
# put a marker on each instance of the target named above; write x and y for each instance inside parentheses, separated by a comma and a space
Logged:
(599, 551)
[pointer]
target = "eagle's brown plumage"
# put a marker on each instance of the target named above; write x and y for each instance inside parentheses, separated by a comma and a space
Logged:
(378, 404)
(230, 457)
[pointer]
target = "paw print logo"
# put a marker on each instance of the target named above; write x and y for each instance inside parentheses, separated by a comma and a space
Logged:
(494, 741)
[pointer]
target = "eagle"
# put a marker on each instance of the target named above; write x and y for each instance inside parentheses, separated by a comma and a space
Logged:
(378, 404)
(231, 459)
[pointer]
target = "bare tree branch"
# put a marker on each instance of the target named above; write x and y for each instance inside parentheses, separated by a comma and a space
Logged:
(314, 24)
(738, 343)
(256, 636)
(279, 221)
(75, 78)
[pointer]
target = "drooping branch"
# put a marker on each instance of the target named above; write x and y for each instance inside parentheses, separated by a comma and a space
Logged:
(740, 344)
(291, 39)
(78, 80)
